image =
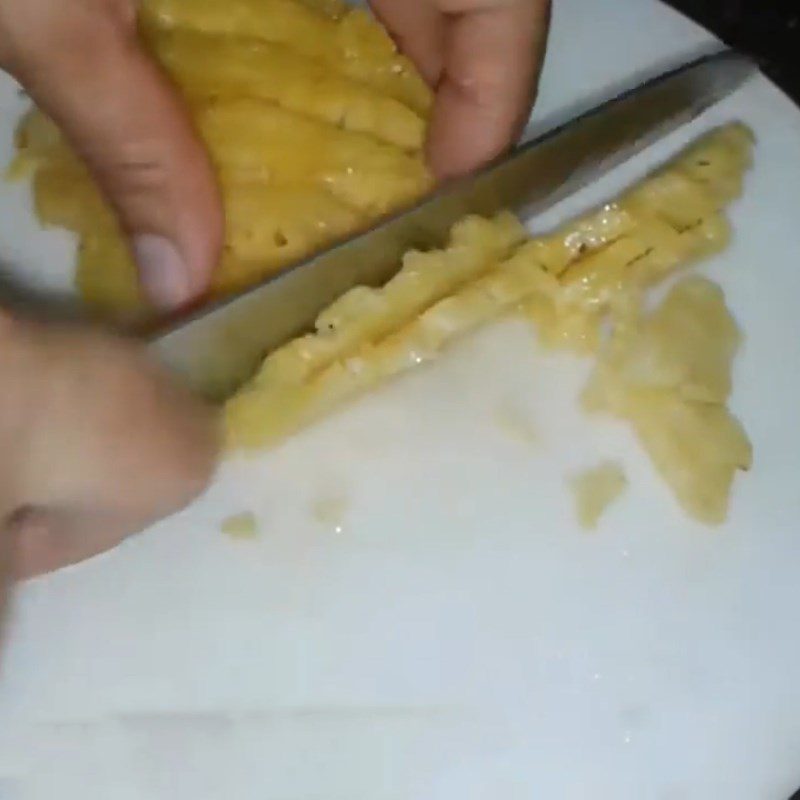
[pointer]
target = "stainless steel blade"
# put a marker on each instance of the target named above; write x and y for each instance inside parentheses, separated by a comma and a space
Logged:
(219, 347)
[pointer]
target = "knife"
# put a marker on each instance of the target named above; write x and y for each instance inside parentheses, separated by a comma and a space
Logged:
(221, 345)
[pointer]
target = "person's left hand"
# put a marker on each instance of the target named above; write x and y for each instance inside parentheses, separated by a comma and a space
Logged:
(483, 57)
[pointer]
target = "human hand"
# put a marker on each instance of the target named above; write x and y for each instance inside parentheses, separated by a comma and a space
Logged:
(95, 444)
(484, 58)
(82, 63)
(137, 447)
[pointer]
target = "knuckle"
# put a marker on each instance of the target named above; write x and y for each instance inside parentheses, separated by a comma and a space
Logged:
(129, 168)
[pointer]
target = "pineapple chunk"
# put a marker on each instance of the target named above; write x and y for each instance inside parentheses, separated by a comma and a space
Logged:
(697, 448)
(687, 345)
(595, 490)
(667, 222)
(243, 526)
(563, 327)
(670, 379)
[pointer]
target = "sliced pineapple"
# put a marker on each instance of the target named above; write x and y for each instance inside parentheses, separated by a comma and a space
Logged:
(350, 43)
(285, 197)
(669, 221)
(686, 194)
(252, 140)
(367, 315)
(270, 408)
(214, 66)
(370, 335)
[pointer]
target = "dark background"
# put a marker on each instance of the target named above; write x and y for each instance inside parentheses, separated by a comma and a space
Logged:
(769, 30)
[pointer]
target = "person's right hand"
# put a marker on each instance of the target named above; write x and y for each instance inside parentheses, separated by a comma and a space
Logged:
(95, 444)
(82, 63)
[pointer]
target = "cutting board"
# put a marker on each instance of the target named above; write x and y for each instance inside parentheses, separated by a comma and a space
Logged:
(421, 617)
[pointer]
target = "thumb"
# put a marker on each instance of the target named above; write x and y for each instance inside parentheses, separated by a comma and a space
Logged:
(84, 66)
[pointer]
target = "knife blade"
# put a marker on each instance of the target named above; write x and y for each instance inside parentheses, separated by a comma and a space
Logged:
(219, 347)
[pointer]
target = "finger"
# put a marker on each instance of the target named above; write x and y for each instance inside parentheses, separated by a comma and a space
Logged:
(493, 56)
(46, 541)
(110, 445)
(417, 28)
(85, 67)
(132, 439)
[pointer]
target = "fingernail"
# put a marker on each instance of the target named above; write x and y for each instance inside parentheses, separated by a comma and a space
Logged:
(162, 271)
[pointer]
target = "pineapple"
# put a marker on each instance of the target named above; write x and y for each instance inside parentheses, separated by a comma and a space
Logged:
(595, 490)
(671, 380)
(668, 374)
(350, 43)
(208, 67)
(314, 123)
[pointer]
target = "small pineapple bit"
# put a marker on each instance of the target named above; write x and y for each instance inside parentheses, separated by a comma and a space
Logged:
(314, 122)
(488, 270)
(595, 490)
(671, 380)
(241, 526)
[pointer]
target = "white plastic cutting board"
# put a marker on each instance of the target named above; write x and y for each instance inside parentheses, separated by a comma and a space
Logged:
(456, 637)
